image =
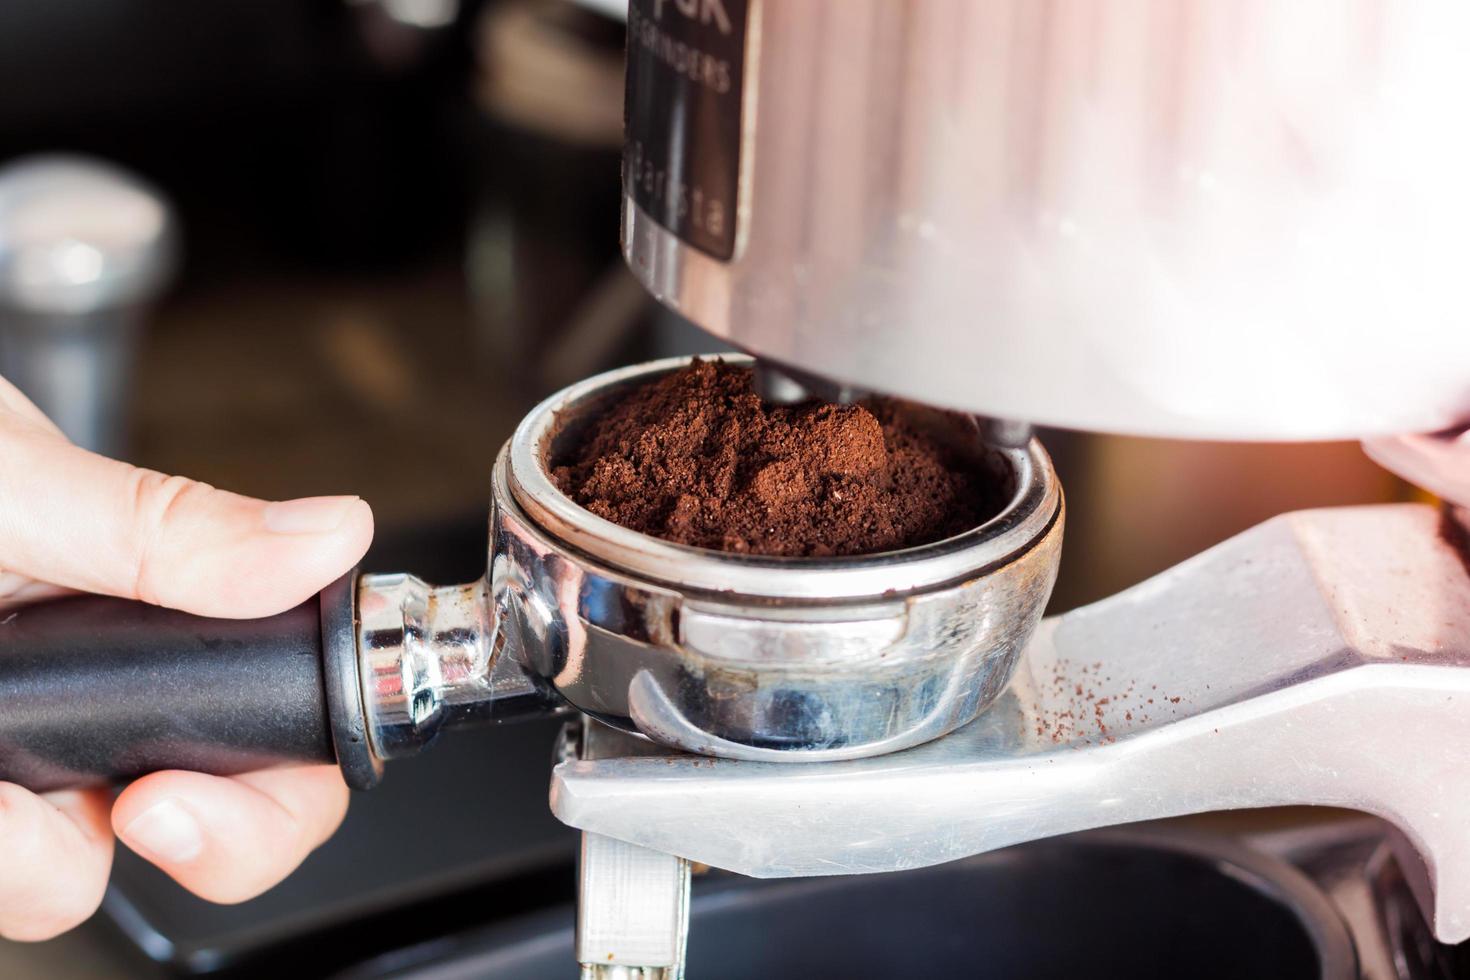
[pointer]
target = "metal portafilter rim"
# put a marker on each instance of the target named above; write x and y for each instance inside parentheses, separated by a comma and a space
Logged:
(1032, 508)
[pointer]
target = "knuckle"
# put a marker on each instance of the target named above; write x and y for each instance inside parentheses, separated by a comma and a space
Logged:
(154, 501)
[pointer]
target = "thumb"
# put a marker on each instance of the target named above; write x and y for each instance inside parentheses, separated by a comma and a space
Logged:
(82, 521)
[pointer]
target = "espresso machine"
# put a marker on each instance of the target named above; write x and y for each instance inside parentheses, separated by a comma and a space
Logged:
(1233, 222)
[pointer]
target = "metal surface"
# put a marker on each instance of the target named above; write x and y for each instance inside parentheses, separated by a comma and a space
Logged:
(83, 247)
(1144, 218)
(632, 903)
(1320, 658)
(1351, 860)
(426, 662)
(762, 658)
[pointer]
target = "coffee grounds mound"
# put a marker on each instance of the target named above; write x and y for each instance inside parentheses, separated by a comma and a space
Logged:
(697, 458)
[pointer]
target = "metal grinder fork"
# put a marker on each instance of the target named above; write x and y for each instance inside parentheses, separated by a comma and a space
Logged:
(1320, 658)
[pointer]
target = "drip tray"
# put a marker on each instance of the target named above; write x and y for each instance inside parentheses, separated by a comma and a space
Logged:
(1138, 903)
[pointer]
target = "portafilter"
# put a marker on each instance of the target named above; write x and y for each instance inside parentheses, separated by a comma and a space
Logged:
(729, 655)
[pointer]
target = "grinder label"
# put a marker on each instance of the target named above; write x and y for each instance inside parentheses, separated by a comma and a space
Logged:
(681, 149)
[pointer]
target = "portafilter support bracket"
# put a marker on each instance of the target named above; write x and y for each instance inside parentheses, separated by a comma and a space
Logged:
(1320, 658)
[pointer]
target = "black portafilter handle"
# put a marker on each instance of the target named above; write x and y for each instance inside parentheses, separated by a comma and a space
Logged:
(96, 690)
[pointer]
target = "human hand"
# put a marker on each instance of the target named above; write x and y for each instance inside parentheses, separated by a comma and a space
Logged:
(1438, 462)
(74, 521)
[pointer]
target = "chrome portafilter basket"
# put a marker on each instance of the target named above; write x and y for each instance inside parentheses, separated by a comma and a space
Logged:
(730, 655)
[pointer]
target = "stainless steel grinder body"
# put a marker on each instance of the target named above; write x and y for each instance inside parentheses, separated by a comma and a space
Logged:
(1189, 221)
(727, 655)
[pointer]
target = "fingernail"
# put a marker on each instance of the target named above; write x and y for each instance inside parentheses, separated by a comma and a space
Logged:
(166, 831)
(309, 515)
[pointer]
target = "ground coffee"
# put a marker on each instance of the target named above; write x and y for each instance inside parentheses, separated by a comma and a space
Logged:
(697, 458)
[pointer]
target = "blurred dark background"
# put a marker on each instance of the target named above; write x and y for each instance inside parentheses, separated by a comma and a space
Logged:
(399, 229)
(375, 250)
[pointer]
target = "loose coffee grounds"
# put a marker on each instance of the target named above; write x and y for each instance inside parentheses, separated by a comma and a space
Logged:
(697, 458)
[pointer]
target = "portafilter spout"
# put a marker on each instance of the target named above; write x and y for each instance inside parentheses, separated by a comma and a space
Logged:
(776, 659)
